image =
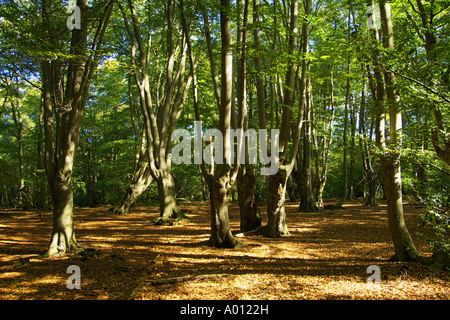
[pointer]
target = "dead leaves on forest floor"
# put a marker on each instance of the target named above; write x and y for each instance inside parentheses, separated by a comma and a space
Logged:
(325, 257)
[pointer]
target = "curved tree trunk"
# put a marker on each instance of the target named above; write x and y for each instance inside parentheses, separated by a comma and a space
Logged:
(133, 192)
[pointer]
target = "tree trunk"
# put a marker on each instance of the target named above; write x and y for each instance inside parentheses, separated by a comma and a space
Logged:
(367, 157)
(390, 159)
(221, 236)
(133, 192)
(276, 225)
(63, 113)
(344, 164)
(351, 175)
(249, 217)
(168, 208)
(249, 214)
(223, 180)
(403, 244)
(322, 165)
(63, 233)
(308, 203)
(372, 188)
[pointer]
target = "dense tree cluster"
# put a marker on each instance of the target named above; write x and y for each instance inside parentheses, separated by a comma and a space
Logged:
(359, 91)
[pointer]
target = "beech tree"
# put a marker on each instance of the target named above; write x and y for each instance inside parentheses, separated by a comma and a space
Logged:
(355, 113)
(276, 225)
(159, 120)
(66, 75)
(224, 176)
(388, 100)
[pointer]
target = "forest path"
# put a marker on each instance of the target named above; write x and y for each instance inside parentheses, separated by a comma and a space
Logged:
(325, 257)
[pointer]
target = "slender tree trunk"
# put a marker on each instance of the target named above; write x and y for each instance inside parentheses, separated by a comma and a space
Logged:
(390, 159)
(308, 203)
(345, 157)
(367, 157)
(246, 179)
(351, 174)
(19, 136)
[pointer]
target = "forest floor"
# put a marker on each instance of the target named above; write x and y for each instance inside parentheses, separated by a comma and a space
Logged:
(325, 257)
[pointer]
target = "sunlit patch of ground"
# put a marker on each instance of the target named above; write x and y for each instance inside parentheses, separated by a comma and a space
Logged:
(325, 257)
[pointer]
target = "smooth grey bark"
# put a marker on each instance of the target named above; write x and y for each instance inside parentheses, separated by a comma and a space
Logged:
(390, 161)
(160, 123)
(278, 183)
(224, 176)
(276, 225)
(63, 112)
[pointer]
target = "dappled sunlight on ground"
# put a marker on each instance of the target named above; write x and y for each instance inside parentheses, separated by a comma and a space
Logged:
(325, 257)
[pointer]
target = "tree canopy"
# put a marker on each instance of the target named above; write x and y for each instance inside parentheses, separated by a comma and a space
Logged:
(357, 90)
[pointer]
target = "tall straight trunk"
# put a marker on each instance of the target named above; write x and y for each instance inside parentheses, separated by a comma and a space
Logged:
(344, 141)
(326, 142)
(223, 179)
(390, 159)
(367, 157)
(351, 173)
(308, 203)
(390, 163)
(246, 179)
(19, 136)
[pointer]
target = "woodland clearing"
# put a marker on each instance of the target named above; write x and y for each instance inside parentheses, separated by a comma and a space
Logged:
(325, 257)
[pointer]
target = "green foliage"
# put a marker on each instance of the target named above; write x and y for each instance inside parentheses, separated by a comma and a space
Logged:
(436, 216)
(110, 138)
